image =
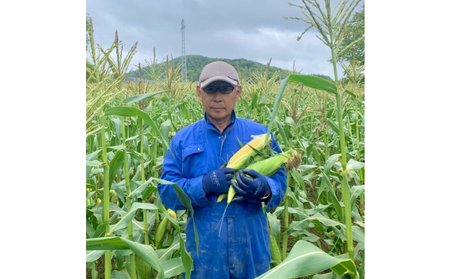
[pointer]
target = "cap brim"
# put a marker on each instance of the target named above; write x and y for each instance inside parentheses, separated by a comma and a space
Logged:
(217, 78)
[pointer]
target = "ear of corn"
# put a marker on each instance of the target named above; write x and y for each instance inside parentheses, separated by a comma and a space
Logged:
(160, 232)
(163, 227)
(264, 166)
(274, 250)
(241, 157)
(172, 214)
(268, 167)
(247, 151)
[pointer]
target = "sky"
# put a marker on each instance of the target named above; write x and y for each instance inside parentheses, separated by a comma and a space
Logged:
(251, 29)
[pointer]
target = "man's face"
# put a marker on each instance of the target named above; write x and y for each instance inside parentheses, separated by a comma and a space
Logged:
(218, 106)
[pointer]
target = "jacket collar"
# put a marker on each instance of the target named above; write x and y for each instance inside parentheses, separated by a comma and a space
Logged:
(211, 126)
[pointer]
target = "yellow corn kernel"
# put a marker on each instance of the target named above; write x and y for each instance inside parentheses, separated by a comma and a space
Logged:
(240, 158)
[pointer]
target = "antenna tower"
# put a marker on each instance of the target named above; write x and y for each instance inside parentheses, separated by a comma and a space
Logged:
(183, 52)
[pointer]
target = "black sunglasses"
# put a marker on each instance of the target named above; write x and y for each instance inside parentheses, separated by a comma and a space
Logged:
(222, 89)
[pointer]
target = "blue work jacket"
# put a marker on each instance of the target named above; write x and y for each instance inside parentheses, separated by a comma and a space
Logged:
(236, 246)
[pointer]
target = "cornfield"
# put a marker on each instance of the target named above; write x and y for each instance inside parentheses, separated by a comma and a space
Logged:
(317, 231)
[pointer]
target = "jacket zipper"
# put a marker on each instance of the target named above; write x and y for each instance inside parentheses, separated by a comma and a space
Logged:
(224, 136)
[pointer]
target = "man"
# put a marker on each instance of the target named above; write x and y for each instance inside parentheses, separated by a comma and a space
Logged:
(238, 245)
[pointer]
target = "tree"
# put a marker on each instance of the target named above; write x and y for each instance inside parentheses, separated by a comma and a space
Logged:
(353, 31)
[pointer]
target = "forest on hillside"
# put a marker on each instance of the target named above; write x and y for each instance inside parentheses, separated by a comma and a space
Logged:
(195, 63)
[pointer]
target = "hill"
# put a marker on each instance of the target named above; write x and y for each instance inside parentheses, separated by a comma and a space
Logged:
(195, 64)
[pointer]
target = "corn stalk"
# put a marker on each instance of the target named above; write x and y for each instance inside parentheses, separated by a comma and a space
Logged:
(144, 213)
(331, 28)
(105, 197)
(128, 198)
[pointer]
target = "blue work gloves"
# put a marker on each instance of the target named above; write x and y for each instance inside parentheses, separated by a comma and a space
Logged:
(250, 185)
(217, 181)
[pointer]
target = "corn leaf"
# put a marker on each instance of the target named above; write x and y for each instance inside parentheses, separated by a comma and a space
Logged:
(138, 98)
(89, 158)
(130, 214)
(344, 267)
(284, 137)
(141, 187)
(142, 268)
(93, 163)
(334, 200)
(173, 267)
(254, 100)
(328, 275)
(330, 163)
(306, 259)
(90, 165)
(145, 252)
(166, 254)
(354, 165)
(358, 234)
(94, 255)
(105, 243)
(115, 166)
(335, 127)
(313, 82)
(132, 111)
(118, 126)
(355, 192)
(277, 103)
(303, 224)
(274, 223)
(120, 274)
(348, 92)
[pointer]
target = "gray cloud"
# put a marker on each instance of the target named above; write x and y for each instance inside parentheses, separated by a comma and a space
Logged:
(250, 29)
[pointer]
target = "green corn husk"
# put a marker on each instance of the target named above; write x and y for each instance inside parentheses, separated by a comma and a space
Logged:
(268, 167)
(274, 250)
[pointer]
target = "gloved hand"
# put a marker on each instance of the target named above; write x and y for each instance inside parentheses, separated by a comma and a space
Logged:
(250, 184)
(217, 181)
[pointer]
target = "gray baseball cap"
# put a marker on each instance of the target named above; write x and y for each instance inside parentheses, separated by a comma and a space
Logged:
(218, 70)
